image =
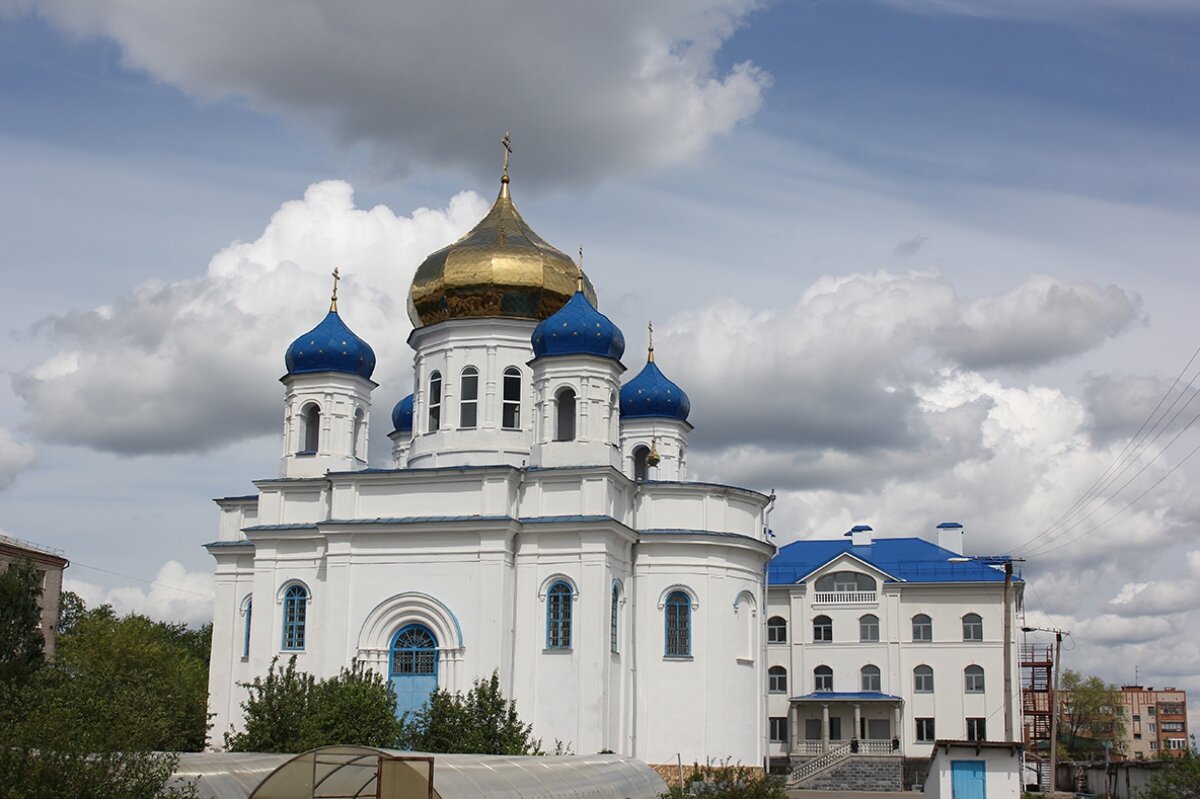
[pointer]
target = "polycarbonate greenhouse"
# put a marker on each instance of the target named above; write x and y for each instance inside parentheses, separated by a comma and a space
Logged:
(349, 772)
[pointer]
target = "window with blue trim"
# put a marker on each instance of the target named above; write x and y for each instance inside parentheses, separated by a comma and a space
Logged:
(612, 625)
(414, 651)
(295, 607)
(679, 625)
(246, 634)
(558, 616)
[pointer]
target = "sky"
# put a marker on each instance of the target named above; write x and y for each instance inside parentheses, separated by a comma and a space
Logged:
(913, 260)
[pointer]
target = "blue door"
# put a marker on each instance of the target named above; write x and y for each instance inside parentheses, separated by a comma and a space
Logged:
(969, 779)
(414, 667)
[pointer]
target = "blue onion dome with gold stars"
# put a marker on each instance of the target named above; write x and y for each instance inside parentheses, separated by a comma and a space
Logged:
(330, 346)
(402, 414)
(578, 329)
(650, 393)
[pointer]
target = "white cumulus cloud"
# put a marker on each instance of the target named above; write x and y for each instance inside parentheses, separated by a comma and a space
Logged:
(175, 595)
(15, 457)
(587, 88)
(187, 366)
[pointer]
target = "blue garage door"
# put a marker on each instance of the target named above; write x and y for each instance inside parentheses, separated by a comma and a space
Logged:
(414, 667)
(969, 779)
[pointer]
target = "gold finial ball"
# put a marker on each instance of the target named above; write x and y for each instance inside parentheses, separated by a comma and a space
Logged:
(501, 268)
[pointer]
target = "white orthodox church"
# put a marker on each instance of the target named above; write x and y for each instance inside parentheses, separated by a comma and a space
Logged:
(536, 520)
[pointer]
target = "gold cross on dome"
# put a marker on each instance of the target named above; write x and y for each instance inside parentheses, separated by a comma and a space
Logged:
(507, 142)
(650, 338)
(333, 297)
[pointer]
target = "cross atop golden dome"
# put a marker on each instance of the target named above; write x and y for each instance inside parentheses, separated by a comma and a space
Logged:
(501, 268)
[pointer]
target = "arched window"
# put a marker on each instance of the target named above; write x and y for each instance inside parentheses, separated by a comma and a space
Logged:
(641, 468)
(776, 630)
(973, 679)
(922, 627)
(923, 680)
(846, 582)
(777, 680)
(312, 428)
(972, 627)
(510, 412)
(246, 632)
(868, 627)
(435, 401)
(612, 622)
(822, 679)
(414, 664)
(468, 398)
(565, 431)
(679, 625)
(558, 616)
(870, 679)
(358, 443)
(295, 609)
(822, 629)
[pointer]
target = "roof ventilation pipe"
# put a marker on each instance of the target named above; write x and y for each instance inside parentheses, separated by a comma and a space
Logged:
(950, 536)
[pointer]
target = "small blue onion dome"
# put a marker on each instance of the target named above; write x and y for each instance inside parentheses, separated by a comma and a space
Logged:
(402, 414)
(650, 393)
(330, 347)
(578, 329)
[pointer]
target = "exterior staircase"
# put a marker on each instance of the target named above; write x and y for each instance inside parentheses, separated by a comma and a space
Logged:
(811, 769)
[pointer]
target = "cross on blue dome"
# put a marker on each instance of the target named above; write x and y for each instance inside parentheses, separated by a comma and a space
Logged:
(578, 329)
(650, 393)
(330, 347)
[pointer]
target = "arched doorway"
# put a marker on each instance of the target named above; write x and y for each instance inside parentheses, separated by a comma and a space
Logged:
(414, 664)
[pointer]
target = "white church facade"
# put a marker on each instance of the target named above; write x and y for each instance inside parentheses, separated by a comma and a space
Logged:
(537, 520)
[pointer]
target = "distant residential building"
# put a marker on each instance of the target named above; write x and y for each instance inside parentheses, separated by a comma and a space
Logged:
(883, 646)
(1155, 722)
(50, 564)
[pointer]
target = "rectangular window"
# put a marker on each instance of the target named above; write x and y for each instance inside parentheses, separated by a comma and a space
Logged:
(468, 401)
(1152, 725)
(511, 408)
(823, 680)
(1153, 745)
(1136, 718)
(1172, 726)
(976, 729)
(925, 733)
(868, 628)
(1150, 711)
(779, 729)
(777, 680)
(922, 628)
(923, 680)
(812, 729)
(1177, 744)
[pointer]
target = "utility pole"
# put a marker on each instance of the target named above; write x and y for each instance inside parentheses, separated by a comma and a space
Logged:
(1008, 670)
(1056, 667)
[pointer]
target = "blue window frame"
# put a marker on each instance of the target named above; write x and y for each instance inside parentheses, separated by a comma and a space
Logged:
(558, 616)
(246, 633)
(295, 607)
(612, 624)
(679, 625)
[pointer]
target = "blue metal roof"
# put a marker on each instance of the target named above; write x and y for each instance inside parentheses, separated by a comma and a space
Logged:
(578, 329)
(860, 696)
(330, 347)
(913, 560)
(402, 414)
(650, 393)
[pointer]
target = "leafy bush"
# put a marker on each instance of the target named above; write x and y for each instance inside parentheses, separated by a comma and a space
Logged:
(726, 781)
(481, 722)
(291, 711)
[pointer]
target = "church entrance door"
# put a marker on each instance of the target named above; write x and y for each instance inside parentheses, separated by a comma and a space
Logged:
(414, 667)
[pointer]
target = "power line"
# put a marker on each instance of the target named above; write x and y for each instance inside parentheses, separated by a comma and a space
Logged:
(1108, 476)
(141, 579)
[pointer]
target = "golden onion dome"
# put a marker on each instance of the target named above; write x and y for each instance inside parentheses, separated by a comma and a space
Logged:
(500, 268)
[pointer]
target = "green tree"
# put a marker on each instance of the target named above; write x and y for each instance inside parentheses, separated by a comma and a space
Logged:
(288, 710)
(481, 722)
(70, 608)
(728, 782)
(1179, 778)
(1091, 712)
(21, 641)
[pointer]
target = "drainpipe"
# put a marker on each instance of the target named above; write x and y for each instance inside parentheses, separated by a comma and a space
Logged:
(762, 639)
(1008, 670)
